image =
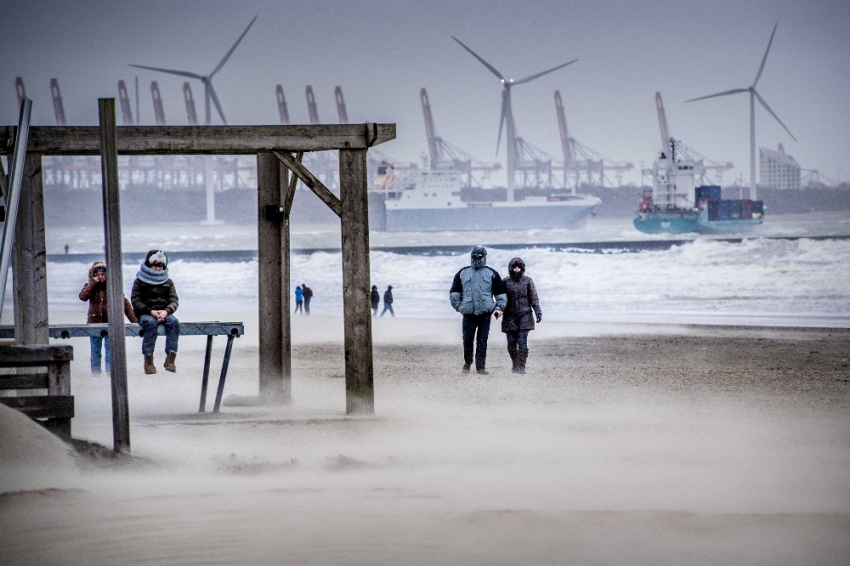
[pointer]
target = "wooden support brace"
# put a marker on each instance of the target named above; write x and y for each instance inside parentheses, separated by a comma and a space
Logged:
(312, 182)
(290, 193)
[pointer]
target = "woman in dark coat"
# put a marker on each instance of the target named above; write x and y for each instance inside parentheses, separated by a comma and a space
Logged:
(522, 310)
(376, 300)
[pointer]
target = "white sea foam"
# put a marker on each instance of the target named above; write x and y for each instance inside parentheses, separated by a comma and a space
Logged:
(758, 281)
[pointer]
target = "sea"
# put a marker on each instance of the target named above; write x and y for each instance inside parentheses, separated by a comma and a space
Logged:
(792, 271)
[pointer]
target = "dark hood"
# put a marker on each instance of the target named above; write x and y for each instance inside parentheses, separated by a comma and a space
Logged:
(517, 261)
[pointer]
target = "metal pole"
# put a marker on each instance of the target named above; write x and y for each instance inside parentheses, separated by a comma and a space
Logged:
(114, 284)
(753, 188)
(13, 195)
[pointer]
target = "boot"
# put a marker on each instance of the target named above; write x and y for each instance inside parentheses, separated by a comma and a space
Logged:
(521, 357)
(149, 367)
(512, 352)
(169, 362)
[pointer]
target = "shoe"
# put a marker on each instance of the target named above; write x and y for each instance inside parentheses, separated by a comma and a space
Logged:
(522, 356)
(465, 368)
(149, 367)
(482, 371)
(169, 362)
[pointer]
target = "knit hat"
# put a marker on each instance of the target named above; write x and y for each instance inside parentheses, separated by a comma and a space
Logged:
(156, 256)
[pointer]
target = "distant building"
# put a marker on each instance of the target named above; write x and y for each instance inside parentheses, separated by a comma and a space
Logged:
(778, 170)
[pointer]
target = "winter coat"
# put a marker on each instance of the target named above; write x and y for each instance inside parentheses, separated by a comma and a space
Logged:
(147, 298)
(95, 293)
(523, 305)
(375, 298)
(308, 292)
(299, 295)
(388, 297)
(477, 291)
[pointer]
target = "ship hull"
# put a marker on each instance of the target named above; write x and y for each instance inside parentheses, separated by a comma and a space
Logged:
(699, 223)
(487, 217)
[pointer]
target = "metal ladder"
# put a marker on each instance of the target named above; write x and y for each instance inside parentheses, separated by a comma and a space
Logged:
(11, 189)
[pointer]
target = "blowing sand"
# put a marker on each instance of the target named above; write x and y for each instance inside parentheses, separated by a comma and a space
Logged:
(622, 445)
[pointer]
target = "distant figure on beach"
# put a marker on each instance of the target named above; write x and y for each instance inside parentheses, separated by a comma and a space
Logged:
(376, 300)
(94, 291)
(308, 294)
(388, 301)
(477, 292)
(66, 249)
(299, 299)
(154, 299)
(522, 310)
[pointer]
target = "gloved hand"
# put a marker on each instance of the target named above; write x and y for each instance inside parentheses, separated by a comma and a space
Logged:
(539, 317)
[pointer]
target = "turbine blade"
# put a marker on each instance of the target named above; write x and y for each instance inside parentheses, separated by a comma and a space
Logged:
(232, 49)
(483, 62)
(501, 121)
(764, 59)
(538, 75)
(215, 101)
(724, 93)
(171, 71)
(772, 113)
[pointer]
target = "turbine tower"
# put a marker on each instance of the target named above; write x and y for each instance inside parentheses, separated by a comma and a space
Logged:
(507, 117)
(209, 91)
(753, 96)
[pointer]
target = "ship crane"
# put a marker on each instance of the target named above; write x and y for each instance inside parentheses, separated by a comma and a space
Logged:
(446, 156)
(58, 108)
(581, 163)
(124, 98)
(158, 110)
(282, 109)
(20, 90)
(340, 106)
(709, 164)
(191, 114)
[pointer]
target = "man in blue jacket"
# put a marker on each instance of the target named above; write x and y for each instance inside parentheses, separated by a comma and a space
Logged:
(477, 292)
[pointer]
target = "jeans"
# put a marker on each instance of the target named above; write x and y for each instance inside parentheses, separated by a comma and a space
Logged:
(388, 307)
(307, 305)
(518, 340)
(471, 324)
(99, 343)
(149, 326)
(299, 306)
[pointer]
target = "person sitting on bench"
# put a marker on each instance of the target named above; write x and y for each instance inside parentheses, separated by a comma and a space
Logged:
(154, 300)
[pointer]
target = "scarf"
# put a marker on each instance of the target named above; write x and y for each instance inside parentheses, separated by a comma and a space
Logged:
(152, 276)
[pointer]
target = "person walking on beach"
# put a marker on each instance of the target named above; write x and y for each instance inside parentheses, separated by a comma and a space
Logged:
(299, 299)
(522, 310)
(375, 297)
(308, 294)
(388, 301)
(154, 299)
(94, 291)
(477, 292)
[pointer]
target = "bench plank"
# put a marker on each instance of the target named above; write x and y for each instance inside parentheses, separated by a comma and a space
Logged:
(23, 356)
(211, 328)
(42, 406)
(29, 381)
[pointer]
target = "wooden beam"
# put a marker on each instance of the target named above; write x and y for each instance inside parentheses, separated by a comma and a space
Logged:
(197, 140)
(293, 183)
(359, 387)
(114, 281)
(42, 406)
(4, 181)
(270, 275)
(35, 355)
(288, 181)
(29, 260)
(311, 181)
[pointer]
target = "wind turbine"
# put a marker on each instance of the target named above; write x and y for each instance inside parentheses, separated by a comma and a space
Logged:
(507, 117)
(209, 91)
(753, 96)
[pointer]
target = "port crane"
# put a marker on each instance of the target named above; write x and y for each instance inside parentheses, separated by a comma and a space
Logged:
(447, 156)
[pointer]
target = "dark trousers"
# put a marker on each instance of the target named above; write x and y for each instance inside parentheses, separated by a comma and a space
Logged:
(518, 340)
(388, 307)
(307, 305)
(472, 324)
(299, 306)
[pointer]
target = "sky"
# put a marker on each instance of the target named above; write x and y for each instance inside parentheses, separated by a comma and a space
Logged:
(382, 52)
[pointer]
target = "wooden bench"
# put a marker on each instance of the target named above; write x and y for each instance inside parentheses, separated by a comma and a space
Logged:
(57, 407)
(209, 329)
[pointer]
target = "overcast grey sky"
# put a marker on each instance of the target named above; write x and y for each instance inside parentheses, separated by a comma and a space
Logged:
(383, 52)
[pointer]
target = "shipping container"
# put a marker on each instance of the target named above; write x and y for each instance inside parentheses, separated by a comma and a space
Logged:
(758, 206)
(746, 209)
(735, 209)
(714, 210)
(708, 192)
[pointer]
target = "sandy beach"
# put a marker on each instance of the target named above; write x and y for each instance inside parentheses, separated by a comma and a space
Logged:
(624, 444)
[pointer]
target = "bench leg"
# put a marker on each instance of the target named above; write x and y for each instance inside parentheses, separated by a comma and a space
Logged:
(59, 427)
(224, 365)
(206, 379)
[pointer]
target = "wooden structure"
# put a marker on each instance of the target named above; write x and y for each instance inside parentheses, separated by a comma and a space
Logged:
(57, 407)
(279, 150)
(209, 329)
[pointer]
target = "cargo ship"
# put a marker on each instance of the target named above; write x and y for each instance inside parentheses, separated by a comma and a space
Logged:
(431, 200)
(677, 205)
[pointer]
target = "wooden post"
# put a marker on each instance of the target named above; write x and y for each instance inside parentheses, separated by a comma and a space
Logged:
(114, 280)
(270, 272)
(359, 387)
(29, 265)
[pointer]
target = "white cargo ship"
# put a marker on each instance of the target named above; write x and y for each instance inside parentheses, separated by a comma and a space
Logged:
(436, 201)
